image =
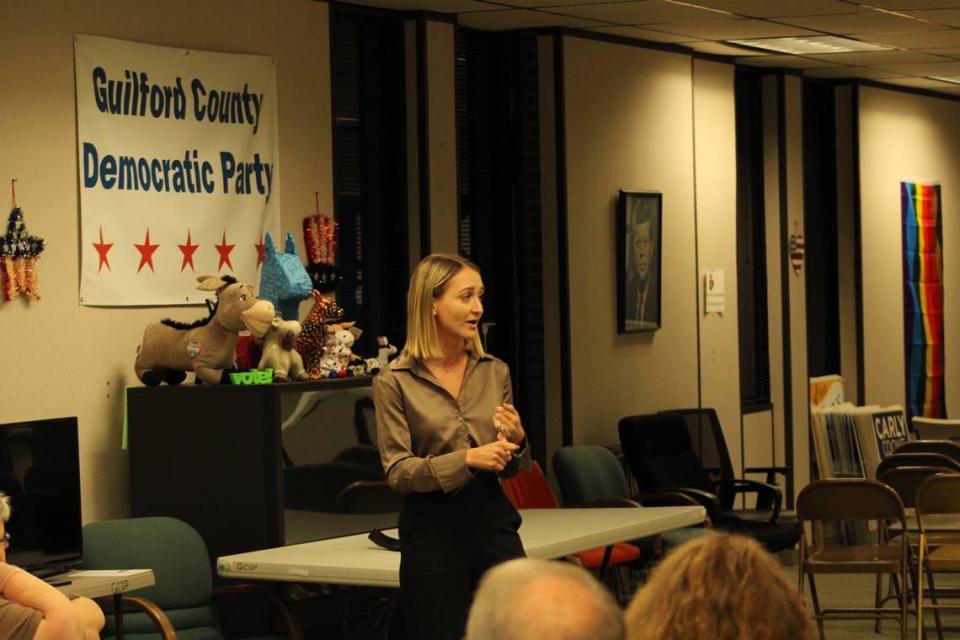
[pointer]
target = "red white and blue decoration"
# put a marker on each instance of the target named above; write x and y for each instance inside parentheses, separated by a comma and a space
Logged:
(19, 255)
(796, 252)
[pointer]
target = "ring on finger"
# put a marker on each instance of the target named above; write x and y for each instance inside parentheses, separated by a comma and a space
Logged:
(501, 428)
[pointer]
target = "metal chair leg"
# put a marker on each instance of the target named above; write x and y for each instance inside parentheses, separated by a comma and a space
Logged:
(816, 607)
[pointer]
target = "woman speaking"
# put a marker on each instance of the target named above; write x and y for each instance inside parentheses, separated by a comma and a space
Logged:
(446, 430)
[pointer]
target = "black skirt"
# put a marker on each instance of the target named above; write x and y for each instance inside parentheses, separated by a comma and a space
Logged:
(448, 540)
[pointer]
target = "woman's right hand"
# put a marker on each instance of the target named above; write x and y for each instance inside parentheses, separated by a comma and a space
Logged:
(491, 457)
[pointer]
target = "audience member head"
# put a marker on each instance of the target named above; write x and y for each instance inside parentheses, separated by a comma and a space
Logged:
(5, 509)
(527, 598)
(721, 587)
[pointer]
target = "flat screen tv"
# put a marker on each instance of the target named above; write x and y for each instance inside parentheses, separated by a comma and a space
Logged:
(40, 471)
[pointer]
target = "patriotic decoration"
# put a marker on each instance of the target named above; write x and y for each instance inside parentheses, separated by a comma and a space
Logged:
(179, 173)
(19, 255)
(320, 240)
(923, 299)
(796, 252)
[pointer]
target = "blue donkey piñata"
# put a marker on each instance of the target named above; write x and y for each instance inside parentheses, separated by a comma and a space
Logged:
(283, 279)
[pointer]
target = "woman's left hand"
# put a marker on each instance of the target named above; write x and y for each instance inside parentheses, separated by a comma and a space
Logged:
(506, 420)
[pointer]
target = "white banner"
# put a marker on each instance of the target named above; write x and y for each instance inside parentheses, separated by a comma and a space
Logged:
(179, 171)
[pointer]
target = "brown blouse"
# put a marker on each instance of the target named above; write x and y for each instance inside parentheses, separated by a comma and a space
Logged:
(424, 432)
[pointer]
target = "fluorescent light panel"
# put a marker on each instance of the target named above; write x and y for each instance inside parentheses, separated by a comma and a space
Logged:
(808, 45)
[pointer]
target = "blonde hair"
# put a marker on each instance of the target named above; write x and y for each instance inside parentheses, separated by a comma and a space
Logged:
(722, 587)
(427, 284)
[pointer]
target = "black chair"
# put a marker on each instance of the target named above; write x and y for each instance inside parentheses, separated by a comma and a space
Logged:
(710, 445)
(659, 451)
(590, 475)
(362, 455)
(369, 496)
(315, 487)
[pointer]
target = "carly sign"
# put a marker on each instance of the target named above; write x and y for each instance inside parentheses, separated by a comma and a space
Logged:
(178, 168)
(890, 429)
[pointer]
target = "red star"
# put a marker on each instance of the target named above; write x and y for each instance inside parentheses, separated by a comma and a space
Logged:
(146, 252)
(188, 250)
(261, 252)
(224, 250)
(103, 248)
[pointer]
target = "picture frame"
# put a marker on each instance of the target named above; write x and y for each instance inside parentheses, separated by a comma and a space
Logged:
(639, 243)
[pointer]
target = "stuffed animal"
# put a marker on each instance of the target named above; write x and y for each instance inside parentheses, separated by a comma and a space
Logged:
(314, 336)
(337, 353)
(384, 351)
(283, 280)
(278, 351)
(208, 346)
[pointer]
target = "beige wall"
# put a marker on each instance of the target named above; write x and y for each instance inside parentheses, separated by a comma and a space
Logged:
(771, 204)
(552, 336)
(628, 126)
(915, 138)
(716, 207)
(799, 389)
(442, 136)
(63, 359)
(846, 242)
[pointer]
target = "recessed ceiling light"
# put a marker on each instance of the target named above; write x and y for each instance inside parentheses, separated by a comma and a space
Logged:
(808, 45)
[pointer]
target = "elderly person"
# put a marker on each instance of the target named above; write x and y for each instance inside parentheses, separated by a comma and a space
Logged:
(718, 587)
(527, 598)
(32, 609)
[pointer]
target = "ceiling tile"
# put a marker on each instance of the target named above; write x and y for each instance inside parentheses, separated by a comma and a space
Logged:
(768, 9)
(949, 17)
(733, 29)
(869, 73)
(898, 5)
(878, 58)
(520, 19)
(644, 34)
(529, 4)
(864, 21)
(445, 6)
(920, 83)
(790, 62)
(644, 12)
(953, 52)
(721, 49)
(926, 40)
(927, 69)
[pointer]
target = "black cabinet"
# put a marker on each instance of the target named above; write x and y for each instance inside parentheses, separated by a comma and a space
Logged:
(213, 456)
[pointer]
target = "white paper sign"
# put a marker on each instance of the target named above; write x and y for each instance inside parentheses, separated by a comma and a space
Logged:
(714, 297)
(178, 169)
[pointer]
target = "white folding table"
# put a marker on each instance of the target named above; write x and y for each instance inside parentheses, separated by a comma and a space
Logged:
(546, 533)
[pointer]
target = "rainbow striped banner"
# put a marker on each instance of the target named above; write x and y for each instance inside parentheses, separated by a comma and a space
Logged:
(923, 299)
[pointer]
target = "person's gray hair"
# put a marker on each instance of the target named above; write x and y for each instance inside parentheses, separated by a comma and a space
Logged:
(529, 598)
(5, 509)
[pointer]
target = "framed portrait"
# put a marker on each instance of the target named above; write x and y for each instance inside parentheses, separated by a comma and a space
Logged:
(638, 261)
